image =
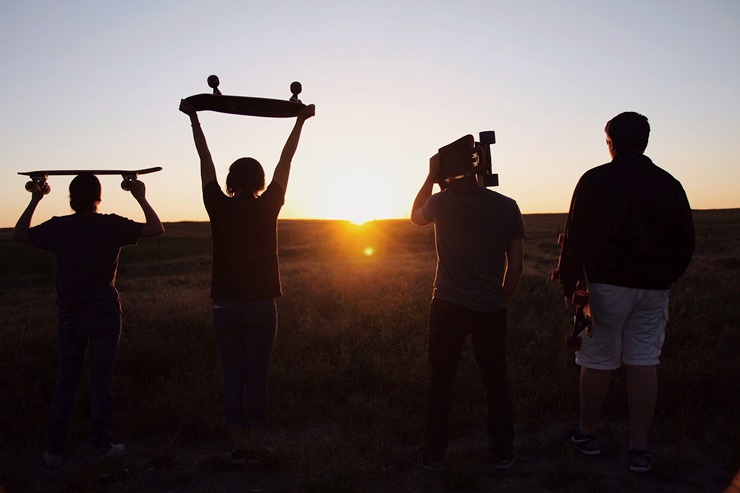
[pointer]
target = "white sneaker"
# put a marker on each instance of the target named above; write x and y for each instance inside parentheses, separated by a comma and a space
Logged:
(52, 460)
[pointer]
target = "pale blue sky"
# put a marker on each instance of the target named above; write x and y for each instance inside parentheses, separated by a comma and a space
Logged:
(92, 84)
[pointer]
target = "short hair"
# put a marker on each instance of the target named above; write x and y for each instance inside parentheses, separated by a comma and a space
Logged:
(629, 132)
(84, 193)
(245, 174)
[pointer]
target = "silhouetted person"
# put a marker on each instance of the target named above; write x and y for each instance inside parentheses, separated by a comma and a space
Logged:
(245, 280)
(86, 246)
(479, 236)
(630, 236)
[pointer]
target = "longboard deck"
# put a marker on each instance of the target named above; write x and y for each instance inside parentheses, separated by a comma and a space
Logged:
(247, 106)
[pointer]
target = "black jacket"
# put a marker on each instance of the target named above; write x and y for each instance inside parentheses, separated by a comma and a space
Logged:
(629, 225)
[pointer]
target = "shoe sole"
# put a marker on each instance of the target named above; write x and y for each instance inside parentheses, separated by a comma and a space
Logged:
(504, 465)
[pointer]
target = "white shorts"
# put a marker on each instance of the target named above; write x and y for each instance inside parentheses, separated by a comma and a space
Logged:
(629, 326)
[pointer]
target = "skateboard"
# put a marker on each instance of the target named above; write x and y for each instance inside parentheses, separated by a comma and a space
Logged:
(465, 157)
(38, 178)
(243, 105)
(582, 319)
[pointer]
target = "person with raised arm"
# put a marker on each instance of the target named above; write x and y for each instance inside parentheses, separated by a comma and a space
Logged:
(245, 279)
(86, 246)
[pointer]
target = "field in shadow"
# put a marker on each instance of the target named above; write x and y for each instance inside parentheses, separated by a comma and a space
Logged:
(349, 372)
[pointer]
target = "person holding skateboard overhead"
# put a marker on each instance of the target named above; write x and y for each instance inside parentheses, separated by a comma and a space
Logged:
(245, 279)
(628, 237)
(86, 246)
(479, 237)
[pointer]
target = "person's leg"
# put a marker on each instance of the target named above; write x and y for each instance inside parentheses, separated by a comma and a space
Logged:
(488, 331)
(227, 328)
(104, 333)
(643, 338)
(446, 339)
(71, 347)
(594, 385)
(258, 342)
(642, 394)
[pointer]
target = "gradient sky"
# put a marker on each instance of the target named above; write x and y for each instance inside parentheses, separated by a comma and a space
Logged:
(91, 84)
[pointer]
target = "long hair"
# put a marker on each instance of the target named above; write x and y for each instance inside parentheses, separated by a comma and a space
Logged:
(245, 174)
(84, 193)
(629, 132)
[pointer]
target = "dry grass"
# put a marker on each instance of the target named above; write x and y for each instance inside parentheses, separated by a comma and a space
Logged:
(349, 373)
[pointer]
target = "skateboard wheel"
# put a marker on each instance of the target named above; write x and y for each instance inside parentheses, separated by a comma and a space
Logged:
(580, 297)
(296, 88)
(126, 185)
(213, 81)
(487, 137)
(46, 188)
(30, 186)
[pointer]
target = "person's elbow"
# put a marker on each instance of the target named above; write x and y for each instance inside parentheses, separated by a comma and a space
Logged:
(152, 229)
(418, 217)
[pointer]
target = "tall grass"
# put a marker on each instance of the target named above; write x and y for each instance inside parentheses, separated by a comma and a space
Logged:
(349, 371)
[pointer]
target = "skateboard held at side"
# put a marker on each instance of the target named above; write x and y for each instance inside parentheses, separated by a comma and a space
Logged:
(243, 105)
(38, 178)
(582, 319)
(465, 157)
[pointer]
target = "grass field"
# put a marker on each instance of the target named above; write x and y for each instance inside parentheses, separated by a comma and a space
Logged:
(349, 371)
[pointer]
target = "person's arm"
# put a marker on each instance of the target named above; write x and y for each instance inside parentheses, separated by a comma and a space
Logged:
(417, 217)
(153, 226)
(282, 170)
(24, 222)
(514, 267)
(207, 169)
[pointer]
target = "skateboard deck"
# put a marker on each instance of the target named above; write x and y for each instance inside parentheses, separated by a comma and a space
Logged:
(249, 106)
(582, 319)
(38, 178)
(466, 157)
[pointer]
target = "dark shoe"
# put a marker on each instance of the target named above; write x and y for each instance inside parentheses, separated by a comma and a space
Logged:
(641, 460)
(586, 444)
(239, 456)
(428, 459)
(52, 461)
(503, 460)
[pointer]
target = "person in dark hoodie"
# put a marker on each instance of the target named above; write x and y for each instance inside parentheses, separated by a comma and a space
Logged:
(629, 236)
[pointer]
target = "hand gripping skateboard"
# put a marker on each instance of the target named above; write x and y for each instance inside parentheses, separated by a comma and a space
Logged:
(242, 105)
(38, 178)
(582, 319)
(465, 157)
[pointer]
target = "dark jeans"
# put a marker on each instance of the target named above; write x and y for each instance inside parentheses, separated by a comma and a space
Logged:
(449, 325)
(75, 334)
(245, 334)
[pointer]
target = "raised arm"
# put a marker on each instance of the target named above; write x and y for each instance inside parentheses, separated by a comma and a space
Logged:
(207, 169)
(417, 217)
(24, 222)
(153, 226)
(282, 170)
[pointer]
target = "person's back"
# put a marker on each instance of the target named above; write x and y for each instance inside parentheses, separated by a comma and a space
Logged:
(472, 231)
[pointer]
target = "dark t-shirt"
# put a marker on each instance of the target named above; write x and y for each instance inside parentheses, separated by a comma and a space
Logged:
(629, 225)
(86, 248)
(473, 230)
(244, 234)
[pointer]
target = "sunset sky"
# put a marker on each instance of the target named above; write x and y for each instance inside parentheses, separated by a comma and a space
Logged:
(96, 84)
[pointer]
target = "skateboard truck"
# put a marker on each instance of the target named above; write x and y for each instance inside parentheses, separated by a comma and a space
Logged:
(466, 158)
